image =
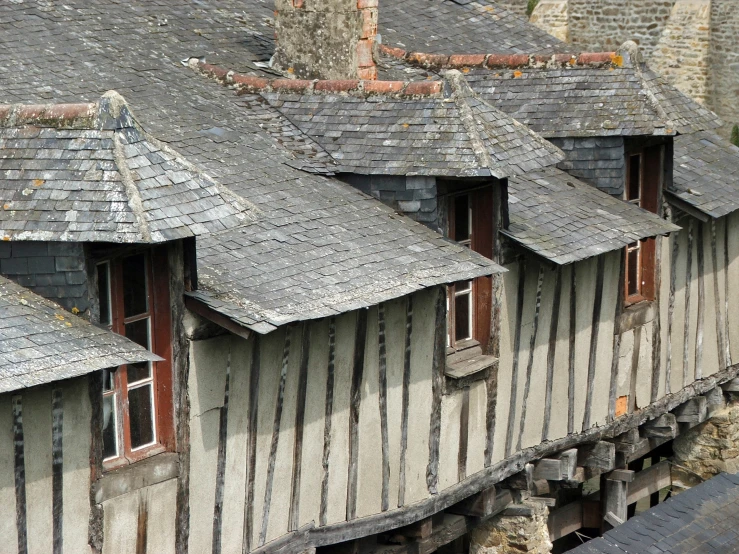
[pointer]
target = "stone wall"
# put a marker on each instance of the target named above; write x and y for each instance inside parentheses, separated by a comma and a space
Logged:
(552, 17)
(522, 528)
(597, 161)
(724, 65)
(515, 6)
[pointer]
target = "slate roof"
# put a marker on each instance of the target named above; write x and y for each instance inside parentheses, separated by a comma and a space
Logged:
(41, 343)
(565, 220)
(87, 172)
(706, 173)
(137, 48)
(460, 26)
(454, 135)
(704, 519)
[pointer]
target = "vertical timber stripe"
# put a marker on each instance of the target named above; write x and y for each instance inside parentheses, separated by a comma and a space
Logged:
(275, 436)
(221, 463)
(405, 401)
(634, 369)
(57, 469)
(686, 330)
(328, 415)
(142, 529)
(491, 384)
(701, 304)
(726, 293)
(594, 329)
(464, 426)
(360, 343)
(616, 340)
(532, 351)
(720, 326)
(20, 475)
(516, 353)
(657, 324)
(553, 328)
(437, 390)
(294, 519)
(382, 385)
(571, 361)
(251, 454)
(671, 309)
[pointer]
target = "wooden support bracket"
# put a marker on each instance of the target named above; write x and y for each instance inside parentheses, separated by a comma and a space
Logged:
(663, 427)
(716, 400)
(648, 481)
(596, 458)
(559, 468)
(623, 475)
(731, 386)
(615, 508)
(483, 505)
(693, 412)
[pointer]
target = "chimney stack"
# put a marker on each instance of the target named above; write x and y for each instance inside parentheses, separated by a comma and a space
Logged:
(326, 39)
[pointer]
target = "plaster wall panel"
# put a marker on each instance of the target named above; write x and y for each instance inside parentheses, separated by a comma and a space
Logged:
(161, 502)
(625, 364)
(451, 412)
(733, 276)
(693, 315)
(585, 272)
(711, 315)
(678, 318)
(121, 522)
(37, 451)
(8, 531)
(644, 371)
(558, 422)
(664, 306)
(477, 430)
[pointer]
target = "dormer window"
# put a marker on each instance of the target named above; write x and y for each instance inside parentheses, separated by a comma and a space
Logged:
(134, 302)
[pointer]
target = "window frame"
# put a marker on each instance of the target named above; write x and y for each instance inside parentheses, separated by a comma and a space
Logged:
(159, 332)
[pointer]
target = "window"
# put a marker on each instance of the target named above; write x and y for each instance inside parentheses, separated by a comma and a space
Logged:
(643, 187)
(469, 223)
(137, 404)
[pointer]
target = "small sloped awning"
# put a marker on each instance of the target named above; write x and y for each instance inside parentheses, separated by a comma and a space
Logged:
(41, 343)
(565, 220)
(706, 174)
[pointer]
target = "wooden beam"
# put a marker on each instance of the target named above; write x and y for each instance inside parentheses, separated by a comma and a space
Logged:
(565, 520)
(523, 480)
(663, 427)
(615, 508)
(693, 412)
(559, 468)
(203, 310)
(483, 505)
(599, 456)
(649, 481)
(716, 400)
(731, 386)
(625, 475)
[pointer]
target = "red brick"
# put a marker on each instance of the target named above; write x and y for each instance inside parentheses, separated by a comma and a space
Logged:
(383, 87)
(369, 24)
(367, 73)
(298, 3)
(69, 112)
(362, 4)
(365, 57)
(391, 51)
(514, 60)
(214, 70)
(422, 88)
(467, 60)
(251, 81)
(5, 111)
(564, 58)
(542, 59)
(428, 60)
(296, 85)
(337, 85)
(587, 58)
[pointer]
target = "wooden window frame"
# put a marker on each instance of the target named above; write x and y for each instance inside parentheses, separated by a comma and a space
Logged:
(651, 162)
(160, 324)
(480, 241)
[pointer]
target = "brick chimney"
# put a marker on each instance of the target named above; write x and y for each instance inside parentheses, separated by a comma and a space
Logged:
(326, 39)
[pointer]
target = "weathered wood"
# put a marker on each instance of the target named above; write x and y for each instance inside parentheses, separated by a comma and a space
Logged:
(57, 469)
(210, 314)
(464, 425)
(686, 330)
(96, 520)
(615, 506)
(716, 401)
(532, 352)
(551, 351)
(251, 452)
(625, 475)
(571, 361)
(634, 374)
(549, 502)
(561, 468)
(720, 326)
(437, 391)
(360, 341)
(648, 481)
(516, 355)
(671, 309)
(275, 437)
(142, 527)
(600, 456)
(491, 382)
(565, 520)
(382, 394)
(731, 386)
(726, 295)
(693, 411)
(20, 475)
(701, 305)
(657, 323)
(613, 386)
(327, 419)
(595, 328)
(294, 515)
(663, 427)
(523, 480)
(221, 463)
(484, 504)
(405, 402)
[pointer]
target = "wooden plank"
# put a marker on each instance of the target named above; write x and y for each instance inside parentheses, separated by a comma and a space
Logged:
(701, 305)
(615, 507)
(551, 353)
(360, 340)
(251, 459)
(57, 469)
(649, 481)
(625, 475)
(406, 400)
(382, 393)
(516, 355)
(565, 520)
(663, 427)
(532, 352)
(294, 516)
(328, 418)
(20, 475)
(573, 333)
(597, 305)
(600, 456)
(437, 391)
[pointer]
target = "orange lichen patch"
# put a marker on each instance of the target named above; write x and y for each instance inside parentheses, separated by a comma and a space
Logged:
(75, 310)
(6, 206)
(618, 61)
(38, 182)
(622, 406)
(6, 237)
(517, 74)
(60, 317)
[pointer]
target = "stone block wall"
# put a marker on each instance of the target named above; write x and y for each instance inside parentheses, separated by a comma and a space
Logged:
(552, 17)
(724, 63)
(54, 270)
(521, 529)
(597, 161)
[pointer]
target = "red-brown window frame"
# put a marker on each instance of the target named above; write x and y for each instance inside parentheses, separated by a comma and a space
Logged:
(161, 344)
(650, 187)
(481, 241)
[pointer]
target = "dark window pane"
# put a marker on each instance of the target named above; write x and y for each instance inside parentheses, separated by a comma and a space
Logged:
(632, 261)
(135, 295)
(110, 442)
(104, 293)
(463, 286)
(462, 317)
(141, 415)
(108, 382)
(634, 177)
(138, 332)
(461, 217)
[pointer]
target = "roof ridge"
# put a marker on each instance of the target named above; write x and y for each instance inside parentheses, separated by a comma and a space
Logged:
(504, 61)
(63, 115)
(254, 83)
